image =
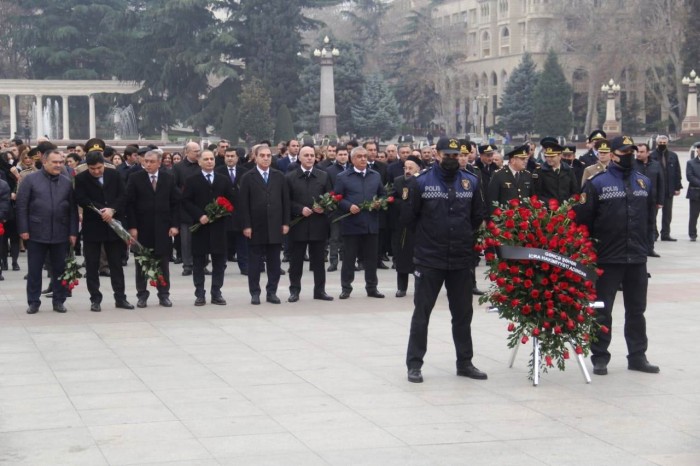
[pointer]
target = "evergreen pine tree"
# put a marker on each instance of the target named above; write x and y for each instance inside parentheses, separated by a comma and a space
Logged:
(229, 124)
(254, 111)
(377, 112)
(516, 111)
(552, 99)
(284, 128)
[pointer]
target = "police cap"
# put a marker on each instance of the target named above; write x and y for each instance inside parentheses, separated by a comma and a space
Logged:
(622, 143)
(597, 134)
(447, 145)
(521, 152)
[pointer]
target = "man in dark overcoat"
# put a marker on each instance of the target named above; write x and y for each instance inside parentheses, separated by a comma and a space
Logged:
(306, 184)
(103, 189)
(237, 243)
(47, 221)
(153, 218)
(403, 236)
(264, 210)
(201, 189)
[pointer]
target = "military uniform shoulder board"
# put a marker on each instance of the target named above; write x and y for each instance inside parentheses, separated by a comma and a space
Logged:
(404, 194)
(526, 171)
(535, 175)
(597, 174)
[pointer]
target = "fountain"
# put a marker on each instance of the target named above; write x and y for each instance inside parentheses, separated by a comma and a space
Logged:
(51, 119)
(124, 120)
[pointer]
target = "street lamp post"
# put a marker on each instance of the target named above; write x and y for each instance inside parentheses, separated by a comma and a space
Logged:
(691, 123)
(327, 116)
(611, 125)
(482, 99)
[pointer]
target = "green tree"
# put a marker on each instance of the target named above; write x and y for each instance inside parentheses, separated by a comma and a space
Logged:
(516, 111)
(348, 83)
(229, 125)
(377, 112)
(269, 40)
(176, 51)
(70, 39)
(254, 111)
(284, 128)
(551, 100)
(367, 18)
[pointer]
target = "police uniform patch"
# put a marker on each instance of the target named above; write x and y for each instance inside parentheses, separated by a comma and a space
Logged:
(466, 184)
(404, 194)
(583, 198)
(641, 184)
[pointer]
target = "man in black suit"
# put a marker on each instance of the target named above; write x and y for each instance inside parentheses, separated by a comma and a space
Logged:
(307, 184)
(334, 242)
(384, 237)
(264, 210)
(188, 166)
(673, 182)
(283, 163)
(130, 161)
(103, 189)
(357, 185)
(396, 168)
(202, 189)
(237, 243)
(153, 218)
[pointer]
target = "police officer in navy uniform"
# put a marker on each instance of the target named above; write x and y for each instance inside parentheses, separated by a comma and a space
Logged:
(511, 182)
(618, 207)
(445, 204)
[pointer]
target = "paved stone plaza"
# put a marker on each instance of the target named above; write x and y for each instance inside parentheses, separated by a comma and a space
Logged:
(312, 383)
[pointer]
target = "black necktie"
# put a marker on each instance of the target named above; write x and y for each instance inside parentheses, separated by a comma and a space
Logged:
(209, 177)
(307, 174)
(232, 175)
(517, 177)
(153, 182)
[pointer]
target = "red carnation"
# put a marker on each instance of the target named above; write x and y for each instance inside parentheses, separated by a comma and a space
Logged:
(557, 329)
(489, 256)
(535, 294)
(338, 197)
(550, 313)
(64, 283)
(548, 360)
(390, 199)
(566, 355)
(524, 339)
(500, 281)
(502, 266)
(604, 329)
(579, 350)
(535, 332)
(153, 283)
(514, 269)
(510, 223)
(497, 212)
(524, 226)
(493, 277)
(571, 215)
(563, 316)
(527, 283)
(546, 325)
(514, 202)
(526, 310)
(538, 306)
(553, 204)
(529, 272)
(511, 327)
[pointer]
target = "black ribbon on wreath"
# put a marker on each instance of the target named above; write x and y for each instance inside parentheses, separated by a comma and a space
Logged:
(552, 258)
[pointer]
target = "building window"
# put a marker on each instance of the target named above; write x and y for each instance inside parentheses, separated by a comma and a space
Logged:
(505, 40)
(485, 44)
(502, 8)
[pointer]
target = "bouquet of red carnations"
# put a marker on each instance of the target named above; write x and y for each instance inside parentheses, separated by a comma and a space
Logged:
(376, 203)
(220, 207)
(70, 278)
(542, 265)
(327, 201)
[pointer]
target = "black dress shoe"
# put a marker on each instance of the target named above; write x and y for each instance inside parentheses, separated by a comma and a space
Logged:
(124, 304)
(642, 365)
(415, 376)
(177, 261)
(200, 302)
(59, 307)
(33, 309)
(600, 368)
(323, 296)
(95, 307)
(345, 294)
(401, 293)
(668, 238)
(218, 300)
(207, 271)
(47, 290)
(384, 257)
(359, 267)
(15, 267)
(332, 268)
(255, 299)
(124, 262)
(692, 238)
(141, 303)
(282, 272)
(105, 273)
(272, 298)
(653, 254)
(476, 291)
(382, 266)
(375, 294)
(293, 297)
(186, 272)
(285, 258)
(2, 279)
(471, 372)
(244, 272)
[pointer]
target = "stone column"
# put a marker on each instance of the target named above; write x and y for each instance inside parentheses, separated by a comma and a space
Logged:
(13, 115)
(327, 116)
(691, 123)
(93, 124)
(66, 135)
(39, 115)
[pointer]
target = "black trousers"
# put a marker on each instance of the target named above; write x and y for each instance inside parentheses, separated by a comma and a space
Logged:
(238, 246)
(334, 243)
(351, 247)
(317, 251)
(114, 250)
(271, 253)
(141, 285)
(666, 215)
(36, 254)
(401, 281)
(218, 266)
(428, 283)
(693, 219)
(634, 281)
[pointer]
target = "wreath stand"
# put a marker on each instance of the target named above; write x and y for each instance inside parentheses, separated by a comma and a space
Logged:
(537, 359)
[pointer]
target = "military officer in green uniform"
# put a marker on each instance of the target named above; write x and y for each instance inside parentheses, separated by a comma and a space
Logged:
(512, 181)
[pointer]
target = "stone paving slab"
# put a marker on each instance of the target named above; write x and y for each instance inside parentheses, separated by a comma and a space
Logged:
(313, 383)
